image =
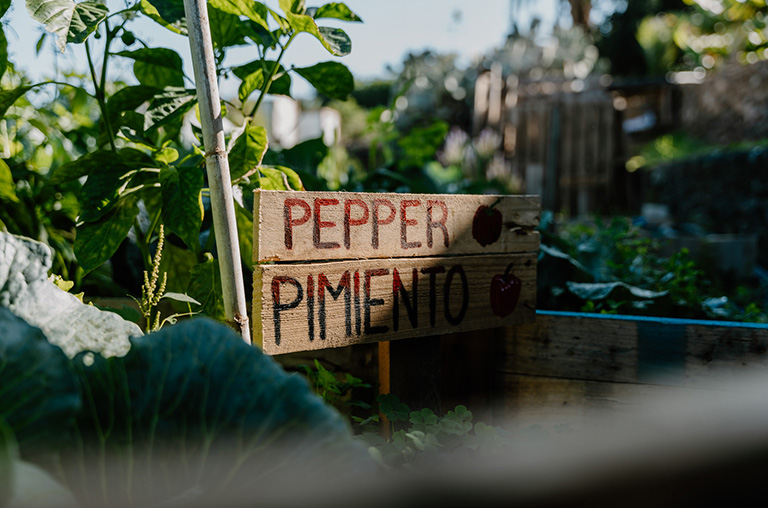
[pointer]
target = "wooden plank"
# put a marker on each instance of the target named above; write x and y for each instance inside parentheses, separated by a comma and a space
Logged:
(634, 349)
(415, 373)
(304, 226)
(572, 404)
(321, 305)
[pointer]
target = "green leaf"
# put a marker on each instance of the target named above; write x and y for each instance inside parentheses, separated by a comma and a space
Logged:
(168, 107)
(249, 84)
(168, 13)
(108, 179)
(255, 11)
(249, 149)
(3, 52)
(335, 40)
(616, 290)
(261, 36)
(279, 178)
(131, 97)
(334, 10)
(39, 44)
(166, 156)
(85, 20)
(82, 166)
(39, 393)
(102, 190)
(8, 97)
(304, 157)
(227, 30)
(182, 202)
(156, 67)
(331, 79)
(177, 262)
(205, 287)
(56, 15)
(244, 220)
(391, 407)
(4, 6)
(253, 75)
(7, 186)
(180, 297)
(70, 22)
(193, 411)
(96, 242)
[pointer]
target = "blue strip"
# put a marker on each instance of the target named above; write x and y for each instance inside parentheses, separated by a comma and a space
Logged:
(657, 320)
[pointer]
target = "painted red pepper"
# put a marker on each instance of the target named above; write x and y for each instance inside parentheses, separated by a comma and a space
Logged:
(486, 224)
(505, 292)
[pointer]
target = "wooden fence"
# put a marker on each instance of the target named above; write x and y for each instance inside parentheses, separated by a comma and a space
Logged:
(563, 144)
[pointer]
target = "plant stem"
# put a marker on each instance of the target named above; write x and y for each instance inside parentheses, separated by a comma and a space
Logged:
(268, 79)
(153, 226)
(99, 92)
(217, 167)
(103, 82)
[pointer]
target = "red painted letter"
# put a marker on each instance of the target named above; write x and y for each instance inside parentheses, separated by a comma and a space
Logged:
(290, 222)
(376, 222)
(439, 224)
(323, 224)
(405, 222)
(349, 221)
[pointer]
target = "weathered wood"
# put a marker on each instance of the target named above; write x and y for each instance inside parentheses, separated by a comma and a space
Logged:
(291, 226)
(634, 349)
(468, 372)
(321, 305)
(415, 373)
(559, 404)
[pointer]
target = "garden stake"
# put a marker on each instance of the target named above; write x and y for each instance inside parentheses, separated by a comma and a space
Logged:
(217, 166)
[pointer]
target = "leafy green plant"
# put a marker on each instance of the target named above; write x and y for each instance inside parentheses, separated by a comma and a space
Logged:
(143, 169)
(427, 439)
(341, 392)
(189, 412)
(151, 293)
(611, 266)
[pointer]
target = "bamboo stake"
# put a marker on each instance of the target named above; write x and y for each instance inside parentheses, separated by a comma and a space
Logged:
(217, 166)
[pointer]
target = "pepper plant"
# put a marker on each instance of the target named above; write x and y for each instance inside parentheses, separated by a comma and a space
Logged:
(146, 168)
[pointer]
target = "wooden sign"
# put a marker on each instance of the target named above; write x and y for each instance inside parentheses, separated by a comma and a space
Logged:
(303, 226)
(336, 269)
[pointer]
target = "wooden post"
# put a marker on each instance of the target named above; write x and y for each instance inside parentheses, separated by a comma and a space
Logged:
(217, 167)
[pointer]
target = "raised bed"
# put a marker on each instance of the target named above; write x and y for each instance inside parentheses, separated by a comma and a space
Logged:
(567, 367)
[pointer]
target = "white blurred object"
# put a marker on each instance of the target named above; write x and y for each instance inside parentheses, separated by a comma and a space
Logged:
(34, 488)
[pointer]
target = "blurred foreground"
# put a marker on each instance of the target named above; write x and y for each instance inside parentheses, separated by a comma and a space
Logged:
(707, 448)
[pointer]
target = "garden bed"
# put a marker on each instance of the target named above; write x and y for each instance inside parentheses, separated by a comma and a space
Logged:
(568, 368)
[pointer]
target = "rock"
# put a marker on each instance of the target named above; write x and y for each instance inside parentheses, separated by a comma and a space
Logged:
(70, 324)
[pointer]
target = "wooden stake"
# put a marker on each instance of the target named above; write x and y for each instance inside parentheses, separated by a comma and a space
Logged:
(217, 166)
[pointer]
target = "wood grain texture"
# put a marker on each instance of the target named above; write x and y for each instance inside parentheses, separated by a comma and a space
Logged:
(307, 226)
(559, 405)
(322, 305)
(634, 350)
